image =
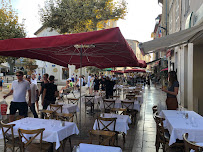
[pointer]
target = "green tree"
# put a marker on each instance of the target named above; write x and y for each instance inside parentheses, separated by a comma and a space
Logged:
(92, 69)
(9, 28)
(29, 65)
(74, 16)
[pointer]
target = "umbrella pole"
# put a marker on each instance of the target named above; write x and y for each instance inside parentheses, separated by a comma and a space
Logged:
(80, 88)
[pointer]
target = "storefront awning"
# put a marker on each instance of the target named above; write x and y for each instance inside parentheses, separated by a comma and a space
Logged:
(185, 36)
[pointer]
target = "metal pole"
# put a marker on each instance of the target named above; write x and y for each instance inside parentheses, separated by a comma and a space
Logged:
(80, 85)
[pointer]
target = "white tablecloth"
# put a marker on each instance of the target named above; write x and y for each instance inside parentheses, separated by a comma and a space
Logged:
(67, 108)
(122, 122)
(118, 104)
(178, 125)
(97, 148)
(53, 132)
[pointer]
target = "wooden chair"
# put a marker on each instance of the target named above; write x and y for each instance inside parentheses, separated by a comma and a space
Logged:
(89, 102)
(163, 136)
(9, 140)
(119, 111)
(65, 117)
(72, 100)
(28, 141)
(131, 97)
(154, 109)
(104, 137)
(55, 108)
(105, 124)
(66, 92)
(108, 104)
(47, 114)
(114, 97)
(191, 145)
(129, 105)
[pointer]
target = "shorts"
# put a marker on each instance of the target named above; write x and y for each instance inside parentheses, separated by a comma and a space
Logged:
(22, 107)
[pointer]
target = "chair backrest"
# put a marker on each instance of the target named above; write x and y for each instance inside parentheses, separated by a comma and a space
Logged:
(119, 111)
(7, 131)
(105, 123)
(114, 97)
(64, 116)
(129, 105)
(131, 97)
(108, 104)
(89, 99)
(73, 100)
(28, 136)
(154, 109)
(103, 141)
(160, 127)
(67, 91)
(48, 114)
(55, 108)
(191, 145)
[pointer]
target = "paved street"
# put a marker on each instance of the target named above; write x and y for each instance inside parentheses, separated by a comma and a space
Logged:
(140, 137)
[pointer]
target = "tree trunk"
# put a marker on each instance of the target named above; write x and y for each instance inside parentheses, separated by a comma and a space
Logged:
(11, 62)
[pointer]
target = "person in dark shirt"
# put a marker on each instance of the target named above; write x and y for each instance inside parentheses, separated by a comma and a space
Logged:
(172, 91)
(96, 84)
(102, 82)
(50, 93)
(109, 87)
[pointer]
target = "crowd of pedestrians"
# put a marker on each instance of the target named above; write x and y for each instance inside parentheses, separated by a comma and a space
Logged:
(26, 94)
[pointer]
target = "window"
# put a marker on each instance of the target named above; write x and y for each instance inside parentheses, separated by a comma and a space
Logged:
(177, 18)
(65, 73)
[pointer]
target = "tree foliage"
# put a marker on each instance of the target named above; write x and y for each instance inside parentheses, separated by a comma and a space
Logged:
(73, 16)
(93, 69)
(9, 28)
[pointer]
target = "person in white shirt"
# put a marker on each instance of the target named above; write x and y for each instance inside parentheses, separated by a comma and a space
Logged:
(34, 79)
(88, 82)
(19, 89)
(34, 96)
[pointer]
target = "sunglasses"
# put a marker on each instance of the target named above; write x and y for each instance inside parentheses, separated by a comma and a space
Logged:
(18, 75)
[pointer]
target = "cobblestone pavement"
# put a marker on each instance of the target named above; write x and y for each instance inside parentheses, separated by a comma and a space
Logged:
(140, 137)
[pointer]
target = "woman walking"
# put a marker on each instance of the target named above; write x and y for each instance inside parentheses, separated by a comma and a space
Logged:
(172, 91)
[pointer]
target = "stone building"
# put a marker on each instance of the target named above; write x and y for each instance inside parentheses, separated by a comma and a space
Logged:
(186, 58)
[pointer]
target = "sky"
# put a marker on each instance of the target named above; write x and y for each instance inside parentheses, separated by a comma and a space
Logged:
(137, 25)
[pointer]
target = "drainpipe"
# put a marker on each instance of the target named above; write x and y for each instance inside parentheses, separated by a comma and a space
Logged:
(166, 19)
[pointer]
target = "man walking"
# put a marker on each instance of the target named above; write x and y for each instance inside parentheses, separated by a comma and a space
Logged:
(34, 96)
(50, 93)
(19, 88)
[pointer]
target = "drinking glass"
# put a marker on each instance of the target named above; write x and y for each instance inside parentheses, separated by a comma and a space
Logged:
(194, 122)
(52, 123)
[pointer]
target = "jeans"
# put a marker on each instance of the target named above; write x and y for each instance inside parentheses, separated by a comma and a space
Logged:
(32, 108)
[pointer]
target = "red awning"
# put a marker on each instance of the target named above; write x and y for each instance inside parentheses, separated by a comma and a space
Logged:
(166, 69)
(104, 48)
(117, 71)
(134, 70)
(142, 64)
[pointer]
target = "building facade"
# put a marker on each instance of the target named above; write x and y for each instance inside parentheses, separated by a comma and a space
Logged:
(186, 59)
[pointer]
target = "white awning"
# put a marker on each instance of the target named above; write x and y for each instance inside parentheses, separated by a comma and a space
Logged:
(185, 36)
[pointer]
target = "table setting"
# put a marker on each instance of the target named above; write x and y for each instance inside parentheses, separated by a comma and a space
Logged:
(181, 122)
(55, 130)
(122, 122)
